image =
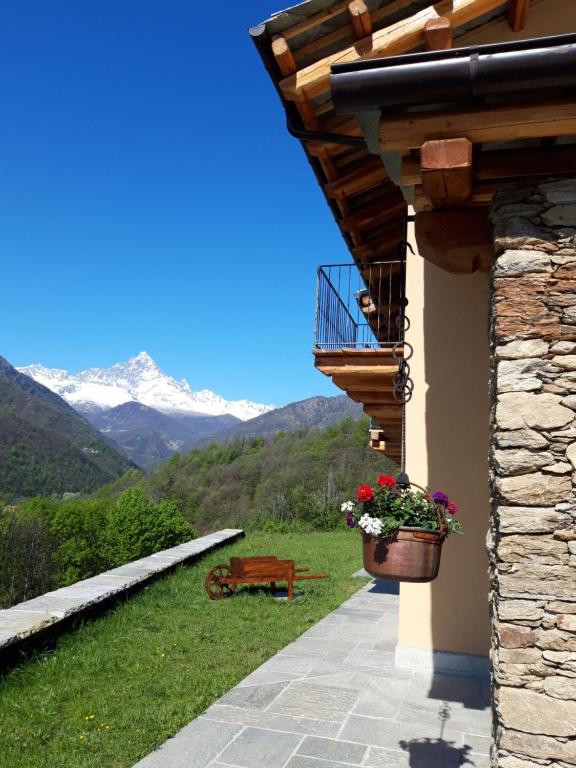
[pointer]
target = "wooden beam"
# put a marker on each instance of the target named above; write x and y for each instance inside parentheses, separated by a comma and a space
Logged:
(402, 36)
(342, 35)
(517, 14)
(283, 56)
(360, 18)
(438, 34)
(373, 215)
(509, 164)
(447, 172)
(375, 249)
(457, 241)
(369, 174)
(507, 122)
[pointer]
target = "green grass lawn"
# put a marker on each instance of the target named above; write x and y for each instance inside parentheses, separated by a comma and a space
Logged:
(120, 685)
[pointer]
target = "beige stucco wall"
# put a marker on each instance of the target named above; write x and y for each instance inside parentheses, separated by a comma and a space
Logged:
(447, 449)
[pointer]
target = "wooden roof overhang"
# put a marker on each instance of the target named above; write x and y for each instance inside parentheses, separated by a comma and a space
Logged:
(510, 141)
(368, 177)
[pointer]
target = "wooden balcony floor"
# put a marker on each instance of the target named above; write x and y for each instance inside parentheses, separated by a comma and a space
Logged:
(367, 377)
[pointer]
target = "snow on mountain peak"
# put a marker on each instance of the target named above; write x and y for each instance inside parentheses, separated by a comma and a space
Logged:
(138, 380)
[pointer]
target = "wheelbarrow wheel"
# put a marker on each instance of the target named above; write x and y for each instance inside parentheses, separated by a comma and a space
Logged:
(216, 585)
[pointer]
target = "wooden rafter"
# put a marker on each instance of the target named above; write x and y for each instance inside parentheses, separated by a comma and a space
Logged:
(480, 124)
(517, 14)
(283, 56)
(400, 37)
(371, 216)
(379, 248)
(360, 18)
(369, 174)
(438, 34)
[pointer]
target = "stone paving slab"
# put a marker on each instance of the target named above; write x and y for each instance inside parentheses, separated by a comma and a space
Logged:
(29, 618)
(334, 699)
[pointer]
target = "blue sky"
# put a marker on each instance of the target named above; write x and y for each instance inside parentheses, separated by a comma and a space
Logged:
(152, 199)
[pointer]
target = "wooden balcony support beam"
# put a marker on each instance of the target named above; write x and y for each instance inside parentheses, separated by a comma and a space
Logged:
(447, 172)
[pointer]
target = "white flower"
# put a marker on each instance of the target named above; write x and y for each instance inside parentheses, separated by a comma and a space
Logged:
(370, 525)
(348, 506)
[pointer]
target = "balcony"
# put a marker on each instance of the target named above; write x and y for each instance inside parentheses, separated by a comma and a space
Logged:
(359, 342)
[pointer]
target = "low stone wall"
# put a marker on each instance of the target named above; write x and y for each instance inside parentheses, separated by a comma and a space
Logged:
(532, 543)
(54, 610)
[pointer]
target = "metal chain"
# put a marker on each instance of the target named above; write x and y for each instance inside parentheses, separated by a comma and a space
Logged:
(402, 352)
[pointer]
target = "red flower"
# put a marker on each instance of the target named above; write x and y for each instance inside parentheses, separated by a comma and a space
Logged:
(365, 493)
(452, 508)
(387, 481)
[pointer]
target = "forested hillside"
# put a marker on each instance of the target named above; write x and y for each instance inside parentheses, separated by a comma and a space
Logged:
(293, 480)
(45, 446)
(299, 476)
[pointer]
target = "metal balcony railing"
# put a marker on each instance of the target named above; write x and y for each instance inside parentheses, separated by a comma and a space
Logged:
(359, 306)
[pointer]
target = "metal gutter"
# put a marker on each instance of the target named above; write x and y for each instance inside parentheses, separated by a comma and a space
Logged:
(458, 74)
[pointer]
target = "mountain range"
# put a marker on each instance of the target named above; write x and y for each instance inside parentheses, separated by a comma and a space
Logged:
(138, 380)
(45, 445)
(151, 416)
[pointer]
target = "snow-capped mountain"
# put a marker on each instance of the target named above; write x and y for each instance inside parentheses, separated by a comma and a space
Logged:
(138, 380)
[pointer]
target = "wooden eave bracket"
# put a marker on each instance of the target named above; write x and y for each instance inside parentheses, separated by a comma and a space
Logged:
(457, 241)
(446, 168)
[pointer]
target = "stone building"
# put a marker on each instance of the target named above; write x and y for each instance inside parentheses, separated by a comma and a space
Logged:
(443, 137)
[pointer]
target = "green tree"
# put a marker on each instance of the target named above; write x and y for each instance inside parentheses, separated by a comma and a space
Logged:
(136, 527)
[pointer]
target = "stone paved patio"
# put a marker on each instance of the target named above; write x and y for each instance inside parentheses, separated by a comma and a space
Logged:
(333, 699)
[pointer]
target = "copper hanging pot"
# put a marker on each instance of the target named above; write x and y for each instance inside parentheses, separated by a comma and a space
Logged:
(407, 554)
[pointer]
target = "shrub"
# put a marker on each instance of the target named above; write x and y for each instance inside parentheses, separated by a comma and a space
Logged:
(136, 527)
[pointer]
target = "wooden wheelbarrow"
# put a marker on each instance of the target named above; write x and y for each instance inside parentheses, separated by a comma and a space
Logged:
(223, 579)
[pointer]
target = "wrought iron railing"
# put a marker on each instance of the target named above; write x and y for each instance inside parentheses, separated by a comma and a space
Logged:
(359, 306)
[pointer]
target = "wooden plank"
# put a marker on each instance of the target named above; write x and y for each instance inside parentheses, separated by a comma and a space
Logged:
(342, 372)
(360, 18)
(447, 172)
(315, 21)
(364, 381)
(283, 55)
(478, 124)
(309, 50)
(459, 241)
(367, 175)
(373, 215)
(438, 34)
(375, 249)
(509, 164)
(374, 398)
(517, 14)
(362, 353)
(402, 36)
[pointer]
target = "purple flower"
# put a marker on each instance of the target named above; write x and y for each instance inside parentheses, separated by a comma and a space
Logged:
(350, 520)
(441, 498)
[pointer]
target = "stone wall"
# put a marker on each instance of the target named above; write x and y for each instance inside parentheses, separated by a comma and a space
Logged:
(532, 542)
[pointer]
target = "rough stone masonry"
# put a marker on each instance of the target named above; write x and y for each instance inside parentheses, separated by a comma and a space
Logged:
(532, 541)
